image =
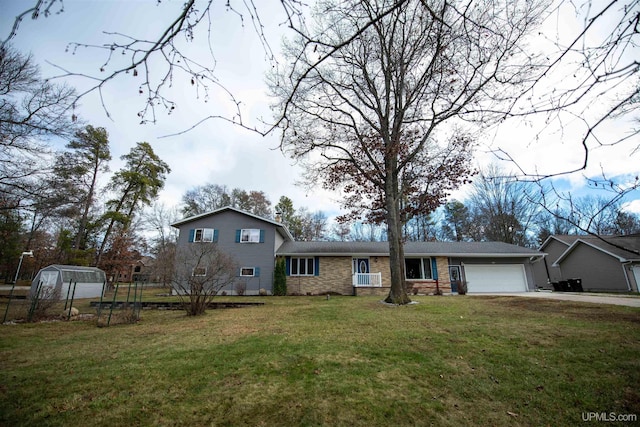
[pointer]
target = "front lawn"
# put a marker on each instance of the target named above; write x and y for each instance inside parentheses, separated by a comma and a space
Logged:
(447, 361)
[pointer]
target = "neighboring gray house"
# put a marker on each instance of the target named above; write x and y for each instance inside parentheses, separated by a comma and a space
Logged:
(249, 239)
(602, 263)
(355, 268)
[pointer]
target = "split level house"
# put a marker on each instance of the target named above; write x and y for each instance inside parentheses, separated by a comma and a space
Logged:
(354, 268)
(600, 263)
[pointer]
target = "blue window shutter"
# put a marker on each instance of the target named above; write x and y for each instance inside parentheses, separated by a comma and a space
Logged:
(261, 236)
(238, 236)
(215, 235)
(287, 261)
(192, 235)
(434, 269)
(256, 271)
(316, 267)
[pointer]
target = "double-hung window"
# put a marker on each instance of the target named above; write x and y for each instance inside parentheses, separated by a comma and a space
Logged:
(250, 235)
(418, 268)
(204, 235)
(302, 266)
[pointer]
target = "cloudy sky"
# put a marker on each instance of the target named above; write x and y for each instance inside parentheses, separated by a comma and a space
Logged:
(216, 151)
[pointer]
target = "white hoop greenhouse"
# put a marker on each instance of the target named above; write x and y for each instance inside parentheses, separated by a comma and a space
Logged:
(63, 281)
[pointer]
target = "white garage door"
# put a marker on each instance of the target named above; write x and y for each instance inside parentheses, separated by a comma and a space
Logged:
(495, 278)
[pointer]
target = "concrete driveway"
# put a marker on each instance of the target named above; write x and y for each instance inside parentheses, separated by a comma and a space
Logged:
(626, 300)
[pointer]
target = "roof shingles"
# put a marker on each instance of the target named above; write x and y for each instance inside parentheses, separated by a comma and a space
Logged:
(472, 249)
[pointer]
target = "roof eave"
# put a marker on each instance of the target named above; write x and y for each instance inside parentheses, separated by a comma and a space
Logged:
(570, 249)
(425, 254)
(280, 225)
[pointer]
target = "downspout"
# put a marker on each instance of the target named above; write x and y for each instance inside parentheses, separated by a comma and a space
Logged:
(546, 267)
(626, 277)
(539, 258)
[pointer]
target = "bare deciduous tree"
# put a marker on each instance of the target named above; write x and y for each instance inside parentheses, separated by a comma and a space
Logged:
(158, 219)
(205, 198)
(201, 271)
(505, 210)
(31, 111)
(209, 197)
(590, 79)
(586, 97)
(600, 216)
(158, 61)
(375, 92)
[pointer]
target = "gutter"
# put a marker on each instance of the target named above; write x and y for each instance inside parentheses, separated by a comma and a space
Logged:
(429, 254)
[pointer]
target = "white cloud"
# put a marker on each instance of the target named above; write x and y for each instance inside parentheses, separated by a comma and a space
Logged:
(218, 152)
(632, 206)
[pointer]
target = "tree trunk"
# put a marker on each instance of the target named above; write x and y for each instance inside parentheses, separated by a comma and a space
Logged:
(78, 242)
(398, 292)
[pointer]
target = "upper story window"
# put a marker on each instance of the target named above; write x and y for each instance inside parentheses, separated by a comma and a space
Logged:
(250, 235)
(418, 268)
(204, 235)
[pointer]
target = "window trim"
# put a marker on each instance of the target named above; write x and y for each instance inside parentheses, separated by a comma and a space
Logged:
(309, 261)
(250, 232)
(253, 272)
(204, 269)
(203, 232)
(422, 268)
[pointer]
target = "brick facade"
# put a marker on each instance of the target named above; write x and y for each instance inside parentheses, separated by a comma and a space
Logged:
(430, 286)
(336, 277)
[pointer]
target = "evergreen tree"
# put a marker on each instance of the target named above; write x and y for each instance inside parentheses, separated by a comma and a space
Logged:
(280, 278)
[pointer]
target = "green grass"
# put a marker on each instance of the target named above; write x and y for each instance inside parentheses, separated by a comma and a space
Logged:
(447, 361)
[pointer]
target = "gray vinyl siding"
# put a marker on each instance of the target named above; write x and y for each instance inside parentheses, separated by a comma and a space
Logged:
(598, 271)
(554, 249)
(543, 271)
(260, 255)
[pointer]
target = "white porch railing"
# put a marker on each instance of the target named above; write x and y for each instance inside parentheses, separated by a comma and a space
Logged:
(367, 279)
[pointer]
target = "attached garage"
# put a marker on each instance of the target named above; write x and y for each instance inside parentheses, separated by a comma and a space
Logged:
(495, 278)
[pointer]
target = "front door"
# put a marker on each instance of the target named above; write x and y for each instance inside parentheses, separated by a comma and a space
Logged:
(454, 275)
(361, 265)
